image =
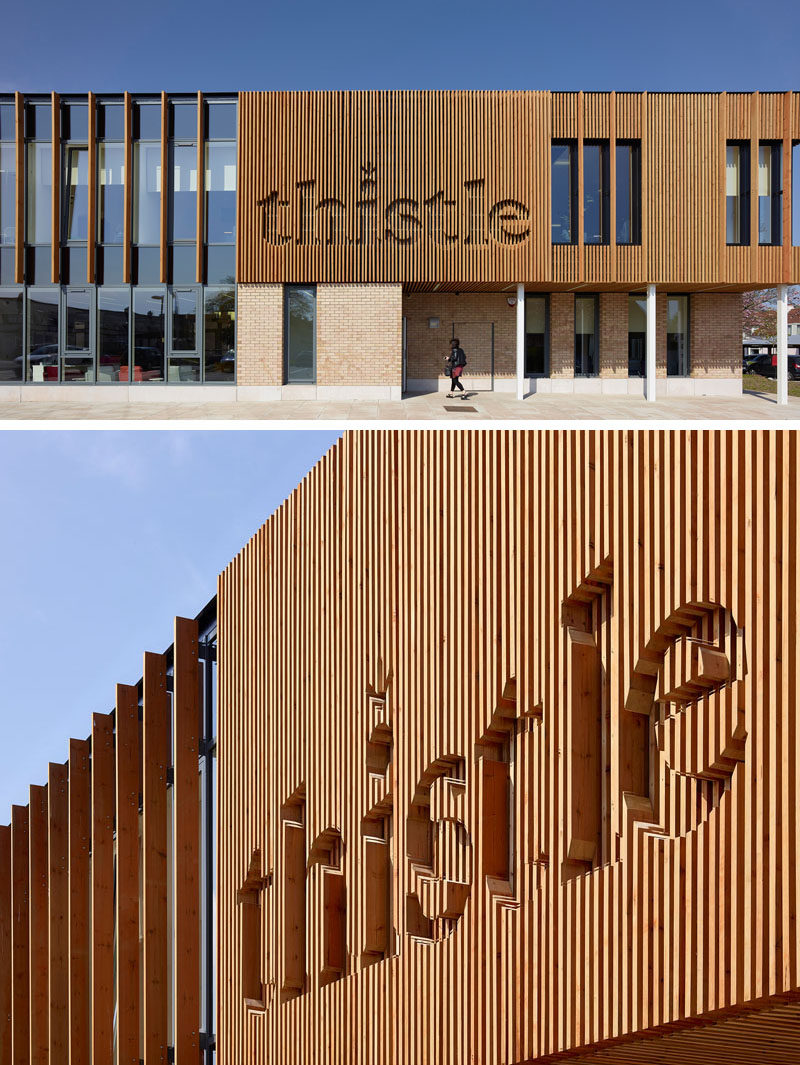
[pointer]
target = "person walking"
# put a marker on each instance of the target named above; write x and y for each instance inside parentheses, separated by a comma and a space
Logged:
(455, 363)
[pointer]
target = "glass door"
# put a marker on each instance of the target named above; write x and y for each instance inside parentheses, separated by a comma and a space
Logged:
(77, 342)
(183, 363)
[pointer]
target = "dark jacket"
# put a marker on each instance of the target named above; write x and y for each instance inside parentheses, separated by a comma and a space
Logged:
(457, 357)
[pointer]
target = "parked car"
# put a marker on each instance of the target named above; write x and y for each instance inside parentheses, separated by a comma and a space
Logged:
(767, 366)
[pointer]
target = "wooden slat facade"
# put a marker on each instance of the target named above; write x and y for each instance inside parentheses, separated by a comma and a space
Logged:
(414, 187)
(89, 950)
(584, 846)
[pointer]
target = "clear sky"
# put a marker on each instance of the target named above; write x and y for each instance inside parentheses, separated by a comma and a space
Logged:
(259, 44)
(105, 536)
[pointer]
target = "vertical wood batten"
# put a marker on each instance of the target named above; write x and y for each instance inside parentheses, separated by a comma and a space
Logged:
(91, 234)
(102, 888)
(127, 221)
(55, 220)
(58, 912)
(165, 183)
(19, 201)
(39, 954)
(79, 902)
(154, 853)
(201, 172)
(187, 723)
(127, 824)
(5, 944)
(20, 936)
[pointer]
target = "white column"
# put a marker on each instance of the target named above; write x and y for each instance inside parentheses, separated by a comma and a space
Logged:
(783, 343)
(520, 341)
(650, 346)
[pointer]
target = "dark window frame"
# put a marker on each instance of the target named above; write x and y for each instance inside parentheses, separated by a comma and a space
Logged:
(744, 194)
(572, 144)
(546, 297)
(635, 192)
(688, 297)
(776, 194)
(286, 291)
(605, 190)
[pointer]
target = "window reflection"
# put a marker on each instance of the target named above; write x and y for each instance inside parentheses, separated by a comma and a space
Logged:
(8, 190)
(113, 316)
(595, 199)
(110, 122)
(629, 193)
(110, 193)
(585, 336)
(637, 335)
(678, 336)
(40, 192)
(219, 321)
(183, 369)
(184, 320)
(220, 187)
(43, 334)
(76, 193)
(300, 333)
(11, 335)
(563, 181)
(147, 193)
(148, 334)
(221, 121)
(535, 335)
(769, 193)
(76, 305)
(183, 122)
(183, 213)
(737, 193)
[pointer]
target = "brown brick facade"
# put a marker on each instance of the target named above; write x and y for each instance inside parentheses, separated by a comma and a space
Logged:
(613, 338)
(472, 315)
(359, 335)
(259, 335)
(715, 332)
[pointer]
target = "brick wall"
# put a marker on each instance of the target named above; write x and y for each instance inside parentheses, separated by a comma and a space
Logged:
(715, 332)
(473, 314)
(259, 335)
(562, 334)
(359, 335)
(613, 334)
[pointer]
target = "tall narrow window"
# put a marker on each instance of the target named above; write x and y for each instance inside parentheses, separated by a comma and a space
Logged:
(737, 192)
(8, 189)
(585, 336)
(770, 193)
(148, 334)
(40, 191)
(678, 336)
(637, 335)
(220, 192)
(300, 329)
(10, 334)
(629, 192)
(110, 192)
(796, 194)
(219, 322)
(76, 193)
(113, 317)
(43, 334)
(183, 192)
(147, 178)
(563, 191)
(595, 192)
(536, 339)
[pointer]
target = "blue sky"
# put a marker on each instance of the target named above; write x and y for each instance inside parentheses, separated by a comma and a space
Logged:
(104, 537)
(252, 44)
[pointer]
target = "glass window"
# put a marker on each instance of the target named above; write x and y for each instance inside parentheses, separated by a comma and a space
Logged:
(113, 317)
(219, 323)
(595, 193)
(73, 264)
(183, 369)
(585, 336)
(563, 185)
(8, 122)
(146, 193)
(769, 194)
(221, 264)
(8, 190)
(300, 331)
(8, 266)
(536, 347)
(40, 193)
(678, 336)
(110, 122)
(109, 265)
(76, 193)
(637, 335)
(796, 194)
(75, 122)
(737, 192)
(39, 122)
(221, 121)
(148, 334)
(147, 122)
(629, 193)
(110, 193)
(183, 194)
(38, 267)
(147, 266)
(183, 122)
(183, 264)
(43, 334)
(76, 307)
(220, 189)
(11, 335)
(184, 320)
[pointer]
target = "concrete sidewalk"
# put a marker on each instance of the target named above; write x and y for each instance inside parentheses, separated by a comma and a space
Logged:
(428, 406)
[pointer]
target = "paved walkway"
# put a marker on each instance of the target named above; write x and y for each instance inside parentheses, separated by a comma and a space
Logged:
(483, 406)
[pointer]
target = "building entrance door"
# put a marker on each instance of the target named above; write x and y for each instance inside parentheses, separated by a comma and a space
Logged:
(477, 342)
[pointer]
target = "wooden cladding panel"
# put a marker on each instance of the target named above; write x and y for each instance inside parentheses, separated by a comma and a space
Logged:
(6, 968)
(102, 888)
(127, 824)
(154, 854)
(20, 936)
(91, 226)
(19, 203)
(79, 900)
(311, 155)
(39, 920)
(349, 599)
(128, 190)
(187, 710)
(58, 911)
(55, 219)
